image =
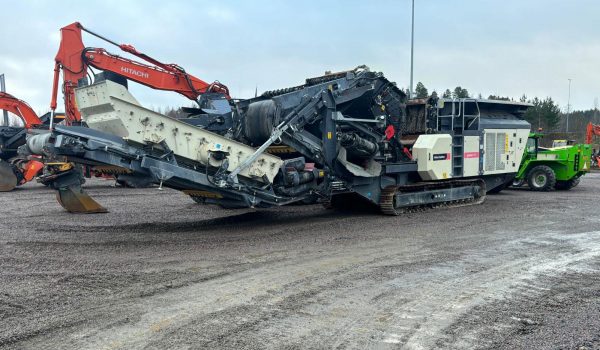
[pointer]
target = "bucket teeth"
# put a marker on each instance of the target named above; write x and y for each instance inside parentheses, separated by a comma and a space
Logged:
(75, 200)
(8, 179)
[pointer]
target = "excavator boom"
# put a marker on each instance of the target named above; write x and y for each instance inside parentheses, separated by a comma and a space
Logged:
(74, 60)
(592, 129)
(19, 108)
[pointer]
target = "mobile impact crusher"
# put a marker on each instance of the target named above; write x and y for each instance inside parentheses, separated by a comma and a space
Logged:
(343, 137)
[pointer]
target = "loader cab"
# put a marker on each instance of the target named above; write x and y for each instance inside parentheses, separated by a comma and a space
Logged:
(532, 146)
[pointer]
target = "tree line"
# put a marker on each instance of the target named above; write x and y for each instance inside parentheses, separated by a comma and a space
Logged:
(458, 92)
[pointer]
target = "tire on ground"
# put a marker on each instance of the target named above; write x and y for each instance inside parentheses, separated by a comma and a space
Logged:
(518, 182)
(567, 185)
(541, 178)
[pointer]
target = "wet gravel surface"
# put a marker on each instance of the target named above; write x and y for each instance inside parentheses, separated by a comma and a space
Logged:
(520, 271)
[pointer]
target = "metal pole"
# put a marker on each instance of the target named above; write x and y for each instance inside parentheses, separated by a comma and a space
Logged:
(3, 89)
(412, 50)
(569, 105)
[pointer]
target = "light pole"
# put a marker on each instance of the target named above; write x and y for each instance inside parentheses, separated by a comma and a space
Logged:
(3, 89)
(569, 105)
(412, 50)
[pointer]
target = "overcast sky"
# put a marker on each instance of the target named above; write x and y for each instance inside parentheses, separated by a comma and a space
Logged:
(502, 47)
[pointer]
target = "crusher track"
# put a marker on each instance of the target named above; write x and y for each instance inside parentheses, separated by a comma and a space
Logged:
(387, 202)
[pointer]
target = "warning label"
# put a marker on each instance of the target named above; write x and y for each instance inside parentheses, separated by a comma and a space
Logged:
(471, 155)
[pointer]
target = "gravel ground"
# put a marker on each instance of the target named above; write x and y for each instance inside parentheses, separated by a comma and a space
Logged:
(159, 271)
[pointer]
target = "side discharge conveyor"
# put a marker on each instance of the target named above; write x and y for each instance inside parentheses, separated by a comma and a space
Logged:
(109, 107)
(347, 137)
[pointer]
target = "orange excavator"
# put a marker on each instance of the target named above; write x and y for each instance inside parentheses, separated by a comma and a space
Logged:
(591, 131)
(76, 62)
(16, 170)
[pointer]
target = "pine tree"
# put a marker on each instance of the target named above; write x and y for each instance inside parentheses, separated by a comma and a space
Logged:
(421, 91)
(544, 113)
(459, 92)
(498, 98)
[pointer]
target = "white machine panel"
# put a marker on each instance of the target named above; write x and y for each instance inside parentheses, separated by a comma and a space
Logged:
(503, 150)
(471, 156)
(433, 155)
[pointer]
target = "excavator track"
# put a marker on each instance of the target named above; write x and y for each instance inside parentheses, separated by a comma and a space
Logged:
(387, 203)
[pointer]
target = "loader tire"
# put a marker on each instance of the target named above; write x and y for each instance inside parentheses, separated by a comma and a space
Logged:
(567, 185)
(541, 178)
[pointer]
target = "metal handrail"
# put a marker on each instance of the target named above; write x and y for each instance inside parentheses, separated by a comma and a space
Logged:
(458, 110)
(477, 117)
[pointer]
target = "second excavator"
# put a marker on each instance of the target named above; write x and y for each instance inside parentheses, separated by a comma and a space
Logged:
(16, 170)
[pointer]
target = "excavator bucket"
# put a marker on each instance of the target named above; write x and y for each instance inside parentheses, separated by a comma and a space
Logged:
(8, 179)
(67, 182)
(75, 200)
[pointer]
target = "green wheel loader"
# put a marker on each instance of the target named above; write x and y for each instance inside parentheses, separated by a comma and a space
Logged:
(546, 169)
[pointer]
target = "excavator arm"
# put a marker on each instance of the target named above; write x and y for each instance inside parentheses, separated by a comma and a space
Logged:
(592, 129)
(74, 60)
(19, 108)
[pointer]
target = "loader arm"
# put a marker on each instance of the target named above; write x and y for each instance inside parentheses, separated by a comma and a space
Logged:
(74, 60)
